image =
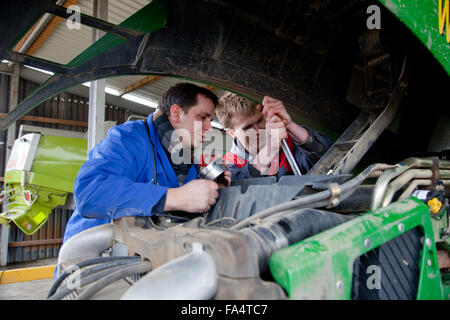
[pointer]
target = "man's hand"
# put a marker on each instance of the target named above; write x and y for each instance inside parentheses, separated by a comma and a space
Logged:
(273, 107)
(276, 131)
(196, 196)
(226, 181)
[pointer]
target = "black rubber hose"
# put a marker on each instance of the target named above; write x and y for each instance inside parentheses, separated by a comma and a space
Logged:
(139, 268)
(104, 266)
(276, 233)
(358, 201)
(83, 264)
(307, 222)
(64, 291)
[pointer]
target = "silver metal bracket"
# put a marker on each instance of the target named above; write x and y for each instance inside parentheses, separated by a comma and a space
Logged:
(335, 194)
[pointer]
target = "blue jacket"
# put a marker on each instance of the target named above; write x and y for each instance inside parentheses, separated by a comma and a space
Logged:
(117, 180)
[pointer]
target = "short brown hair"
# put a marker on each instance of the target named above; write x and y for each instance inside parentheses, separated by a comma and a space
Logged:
(184, 94)
(231, 104)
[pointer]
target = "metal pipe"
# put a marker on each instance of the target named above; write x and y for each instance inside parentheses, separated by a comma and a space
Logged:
(444, 174)
(412, 186)
(89, 243)
(386, 177)
(444, 164)
(43, 22)
(346, 189)
(290, 158)
(189, 277)
(403, 179)
(382, 182)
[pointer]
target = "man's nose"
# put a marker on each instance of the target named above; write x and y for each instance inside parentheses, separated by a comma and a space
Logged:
(207, 126)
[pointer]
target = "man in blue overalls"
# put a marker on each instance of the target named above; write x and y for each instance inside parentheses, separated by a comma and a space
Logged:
(136, 170)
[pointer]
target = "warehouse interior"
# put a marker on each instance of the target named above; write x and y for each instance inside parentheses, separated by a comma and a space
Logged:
(67, 114)
(377, 200)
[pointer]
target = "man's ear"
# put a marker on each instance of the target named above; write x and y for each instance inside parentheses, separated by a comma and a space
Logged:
(231, 132)
(175, 113)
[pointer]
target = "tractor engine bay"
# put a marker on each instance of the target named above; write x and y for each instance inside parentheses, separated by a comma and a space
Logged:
(251, 243)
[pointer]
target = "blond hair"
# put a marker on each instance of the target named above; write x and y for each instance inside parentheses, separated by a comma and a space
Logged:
(231, 104)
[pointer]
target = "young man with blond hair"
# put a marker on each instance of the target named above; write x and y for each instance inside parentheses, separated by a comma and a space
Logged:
(258, 129)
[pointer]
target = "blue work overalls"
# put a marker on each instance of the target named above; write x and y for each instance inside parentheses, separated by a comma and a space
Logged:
(118, 178)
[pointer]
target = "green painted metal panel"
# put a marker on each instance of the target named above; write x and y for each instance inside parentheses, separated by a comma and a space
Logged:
(321, 267)
(53, 172)
(429, 20)
(60, 159)
(56, 164)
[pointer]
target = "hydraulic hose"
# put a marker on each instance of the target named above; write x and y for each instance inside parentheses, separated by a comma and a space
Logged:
(138, 268)
(85, 263)
(87, 280)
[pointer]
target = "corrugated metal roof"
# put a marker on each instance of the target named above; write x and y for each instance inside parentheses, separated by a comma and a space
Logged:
(64, 44)
(151, 91)
(118, 10)
(158, 87)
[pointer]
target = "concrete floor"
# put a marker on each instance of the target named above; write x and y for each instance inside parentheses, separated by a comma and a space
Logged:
(38, 289)
(27, 290)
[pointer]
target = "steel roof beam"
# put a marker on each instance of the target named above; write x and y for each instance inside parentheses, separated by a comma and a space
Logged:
(139, 84)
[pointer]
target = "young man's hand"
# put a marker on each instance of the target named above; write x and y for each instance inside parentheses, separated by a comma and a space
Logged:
(273, 107)
(227, 178)
(196, 196)
(276, 131)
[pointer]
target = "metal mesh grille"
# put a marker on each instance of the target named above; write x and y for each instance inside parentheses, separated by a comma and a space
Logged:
(395, 265)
